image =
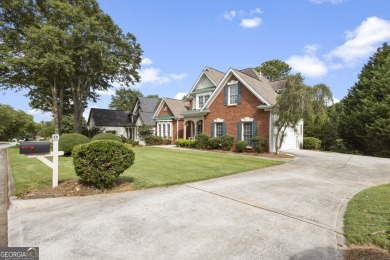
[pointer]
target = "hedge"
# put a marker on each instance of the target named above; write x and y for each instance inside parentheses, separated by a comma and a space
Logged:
(106, 136)
(311, 143)
(68, 141)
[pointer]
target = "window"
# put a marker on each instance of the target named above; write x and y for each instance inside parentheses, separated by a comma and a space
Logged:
(218, 129)
(247, 133)
(164, 129)
(202, 99)
(233, 94)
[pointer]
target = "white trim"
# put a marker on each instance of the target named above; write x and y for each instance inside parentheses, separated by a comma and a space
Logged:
(231, 72)
(195, 106)
(199, 78)
(232, 82)
(158, 108)
(165, 124)
(218, 120)
(247, 119)
(228, 94)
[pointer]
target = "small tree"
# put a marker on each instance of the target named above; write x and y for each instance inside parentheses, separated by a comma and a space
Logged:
(144, 131)
(299, 102)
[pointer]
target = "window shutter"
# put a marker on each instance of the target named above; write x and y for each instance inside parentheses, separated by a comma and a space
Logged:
(254, 130)
(212, 129)
(239, 128)
(225, 98)
(239, 96)
(224, 128)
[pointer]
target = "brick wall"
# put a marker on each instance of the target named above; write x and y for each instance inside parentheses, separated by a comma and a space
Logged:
(233, 114)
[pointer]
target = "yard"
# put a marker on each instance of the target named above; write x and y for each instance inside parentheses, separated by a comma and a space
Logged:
(367, 219)
(153, 167)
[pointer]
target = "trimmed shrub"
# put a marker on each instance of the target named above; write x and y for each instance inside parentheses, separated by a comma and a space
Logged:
(153, 140)
(240, 146)
(201, 141)
(68, 141)
(259, 143)
(311, 143)
(185, 143)
(214, 143)
(227, 142)
(106, 136)
(100, 162)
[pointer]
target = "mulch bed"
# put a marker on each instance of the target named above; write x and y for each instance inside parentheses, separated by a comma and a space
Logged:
(366, 252)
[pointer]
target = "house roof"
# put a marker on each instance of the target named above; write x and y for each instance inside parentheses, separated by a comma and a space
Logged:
(176, 106)
(262, 86)
(215, 75)
(148, 104)
(108, 117)
(252, 73)
(278, 85)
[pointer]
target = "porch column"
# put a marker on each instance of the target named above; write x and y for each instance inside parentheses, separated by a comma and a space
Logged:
(185, 130)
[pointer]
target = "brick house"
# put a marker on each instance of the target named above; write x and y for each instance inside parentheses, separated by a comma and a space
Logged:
(237, 103)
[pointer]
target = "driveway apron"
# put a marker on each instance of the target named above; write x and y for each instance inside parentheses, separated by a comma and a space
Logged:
(291, 211)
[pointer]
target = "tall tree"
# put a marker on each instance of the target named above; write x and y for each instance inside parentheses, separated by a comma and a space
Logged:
(63, 51)
(124, 99)
(299, 102)
(365, 122)
(274, 69)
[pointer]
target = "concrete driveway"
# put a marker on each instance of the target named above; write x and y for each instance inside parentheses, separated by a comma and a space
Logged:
(291, 211)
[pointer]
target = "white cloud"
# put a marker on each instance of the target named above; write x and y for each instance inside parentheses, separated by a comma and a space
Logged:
(308, 65)
(327, 1)
(146, 61)
(154, 76)
(108, 92)
(363, 41)
(41, 115)
(230, 15)
(256, 11)
(180, 95)
(251, 23)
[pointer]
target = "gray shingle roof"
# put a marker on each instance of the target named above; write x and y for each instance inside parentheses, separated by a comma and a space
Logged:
(215, 75)
(177, 106)
(278, 85)
(148, 104)
(261, 86)
(108, 117)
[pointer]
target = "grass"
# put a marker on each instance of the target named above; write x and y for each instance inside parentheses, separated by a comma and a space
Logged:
(367, 218)
(153, 167)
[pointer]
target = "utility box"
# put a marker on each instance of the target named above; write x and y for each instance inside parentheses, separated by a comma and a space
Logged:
(34, 148)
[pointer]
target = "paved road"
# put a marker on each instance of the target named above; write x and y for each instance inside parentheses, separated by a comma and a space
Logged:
(291, 211)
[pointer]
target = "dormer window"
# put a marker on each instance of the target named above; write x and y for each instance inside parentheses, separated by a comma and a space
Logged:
(201, 100)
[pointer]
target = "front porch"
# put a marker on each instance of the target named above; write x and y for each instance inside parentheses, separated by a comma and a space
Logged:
(192, 127)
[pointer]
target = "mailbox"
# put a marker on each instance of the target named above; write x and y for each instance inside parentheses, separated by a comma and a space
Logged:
(34, 147)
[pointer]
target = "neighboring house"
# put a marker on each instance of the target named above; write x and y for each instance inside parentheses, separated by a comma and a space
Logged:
(125, 123)
(237, 103)
(169, 121)
(109, 120)
(142, 114)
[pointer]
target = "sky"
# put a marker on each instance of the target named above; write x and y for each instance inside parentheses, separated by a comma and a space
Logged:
(327, 41)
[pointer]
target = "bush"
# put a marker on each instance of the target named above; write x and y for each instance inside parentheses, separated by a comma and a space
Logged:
(227, 142)
(214, 143)
(201, 141)
(133, 142)
(101, 162)
(68, 141)
(259, 143)
(185, 143)
(106, 136)
(311, 143)
(240, 146)
(153, 140)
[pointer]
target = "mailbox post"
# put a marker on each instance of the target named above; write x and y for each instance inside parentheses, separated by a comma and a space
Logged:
(41, 150)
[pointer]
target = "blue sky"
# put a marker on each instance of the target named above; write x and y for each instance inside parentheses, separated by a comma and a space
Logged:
(328, 41)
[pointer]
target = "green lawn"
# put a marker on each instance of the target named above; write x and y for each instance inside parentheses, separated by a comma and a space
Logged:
(153, 167)
(368, 213)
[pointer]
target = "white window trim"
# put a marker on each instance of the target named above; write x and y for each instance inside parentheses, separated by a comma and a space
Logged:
(196, 106)
(218, 120)
(228, 97)
(159, 130)
(247, 119)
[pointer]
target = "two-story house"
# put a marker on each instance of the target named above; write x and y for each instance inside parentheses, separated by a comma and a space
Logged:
(237, 103)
